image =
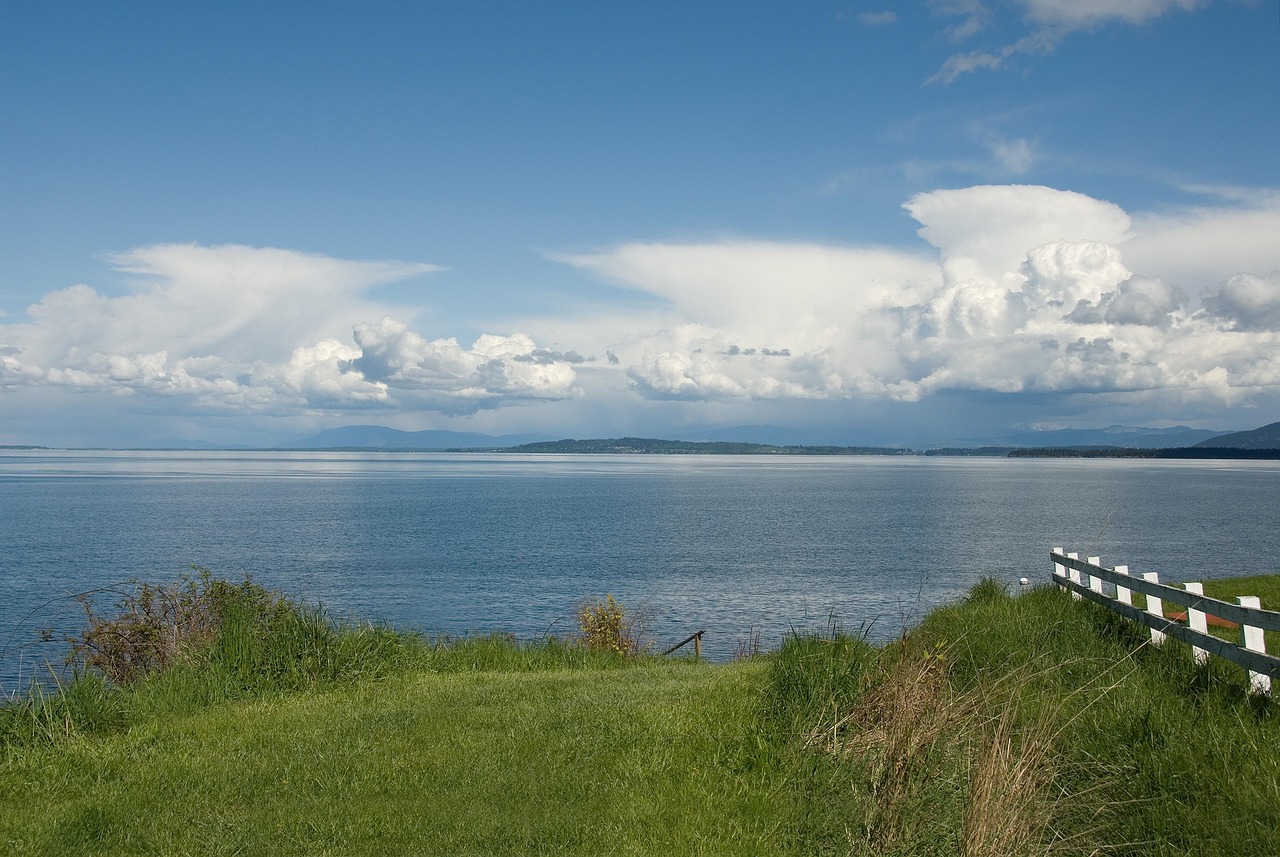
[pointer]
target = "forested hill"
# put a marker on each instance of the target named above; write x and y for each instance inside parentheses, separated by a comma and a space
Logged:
(653, 446)
(1267, 437)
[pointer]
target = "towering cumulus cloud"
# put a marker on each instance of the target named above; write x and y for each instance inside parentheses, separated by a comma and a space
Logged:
(1028, 291)
(265, 329)
(1013, 290)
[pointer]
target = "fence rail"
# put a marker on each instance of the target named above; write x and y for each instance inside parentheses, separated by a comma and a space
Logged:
(1090, 579)
(695, 638)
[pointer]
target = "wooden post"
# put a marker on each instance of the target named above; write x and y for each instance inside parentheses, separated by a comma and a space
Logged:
(1059, 570)
(1255, 640)
(1075, 577)
(1155, 607)
(1196, 622)
(697, 647)
(1123, 595)
(1095, 583)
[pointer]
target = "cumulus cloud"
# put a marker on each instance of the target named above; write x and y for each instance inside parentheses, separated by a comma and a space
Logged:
(985, 232)
(1028, 290)
(269, 330)
(1013, 289)
(444, 376)
(1247, 302)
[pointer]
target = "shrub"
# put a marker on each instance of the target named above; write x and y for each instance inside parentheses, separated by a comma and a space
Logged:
(155, 625)
(605, 624)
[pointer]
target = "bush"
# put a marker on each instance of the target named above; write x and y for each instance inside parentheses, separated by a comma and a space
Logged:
(156, 625)
(604, 624)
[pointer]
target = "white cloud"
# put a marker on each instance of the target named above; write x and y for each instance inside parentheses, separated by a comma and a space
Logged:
(878, 19)
(1013, 157)
(985, 232)
(1020, 289)
(263, 329)
(959, 64)
(1247, 302)
(1081, 14)
(1201, 246)
(1029, 291)
(1049, 22)
(441, 375)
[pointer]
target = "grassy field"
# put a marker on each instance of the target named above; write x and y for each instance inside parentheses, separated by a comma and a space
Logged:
(1001, 726)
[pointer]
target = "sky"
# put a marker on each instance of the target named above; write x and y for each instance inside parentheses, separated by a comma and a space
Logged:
(241, 223)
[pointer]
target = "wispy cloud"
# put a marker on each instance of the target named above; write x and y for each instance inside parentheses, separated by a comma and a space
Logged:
(878, 19)
(1045, 24)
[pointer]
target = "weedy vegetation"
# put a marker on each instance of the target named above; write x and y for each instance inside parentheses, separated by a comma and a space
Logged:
(606, 625)
(214, 717)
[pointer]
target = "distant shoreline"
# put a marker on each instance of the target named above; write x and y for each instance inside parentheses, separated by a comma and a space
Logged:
(658, 446)
(1193, 453)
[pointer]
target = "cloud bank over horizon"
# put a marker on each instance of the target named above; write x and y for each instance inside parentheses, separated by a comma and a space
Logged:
(1014, 290)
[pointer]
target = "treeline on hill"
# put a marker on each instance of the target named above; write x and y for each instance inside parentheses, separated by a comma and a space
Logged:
(1186, 452)
(655, 446)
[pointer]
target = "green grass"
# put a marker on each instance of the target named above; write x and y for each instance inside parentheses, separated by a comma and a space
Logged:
(1172, 758)
(566, 761)
(1029, 725)
(1265, 586)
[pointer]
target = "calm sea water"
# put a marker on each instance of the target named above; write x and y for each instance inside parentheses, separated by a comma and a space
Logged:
(458, 543)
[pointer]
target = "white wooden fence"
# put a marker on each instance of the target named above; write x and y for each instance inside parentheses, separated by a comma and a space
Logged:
(1113, 588)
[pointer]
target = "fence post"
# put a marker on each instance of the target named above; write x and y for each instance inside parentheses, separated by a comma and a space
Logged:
(1123, 595)
(1155, 607)
(1059, 570)
(1196, 622)
(1095, 583)
(1255, 640)
(1075, 577)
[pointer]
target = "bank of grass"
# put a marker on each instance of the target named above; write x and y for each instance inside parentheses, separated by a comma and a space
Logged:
(553, 761)
(1000, 726)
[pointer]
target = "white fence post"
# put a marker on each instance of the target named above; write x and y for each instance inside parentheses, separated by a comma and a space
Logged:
(1196, 622)
(1059, 570)
(1255, 640)
(1095, 583)
(1075, 577)
(1123, 595)
(1155, 607)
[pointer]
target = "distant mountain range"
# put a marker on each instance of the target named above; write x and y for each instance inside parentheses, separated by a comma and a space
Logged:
(380, 437)
(373, 437)
(1127, 437)
(1122, 436)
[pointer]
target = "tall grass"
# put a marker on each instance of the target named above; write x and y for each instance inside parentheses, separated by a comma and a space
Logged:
(177, 648)
(1025, 726)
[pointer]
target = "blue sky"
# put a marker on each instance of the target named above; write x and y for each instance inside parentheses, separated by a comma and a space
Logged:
(246, 222)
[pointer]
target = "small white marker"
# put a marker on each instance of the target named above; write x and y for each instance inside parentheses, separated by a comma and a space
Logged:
(1022, 581)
